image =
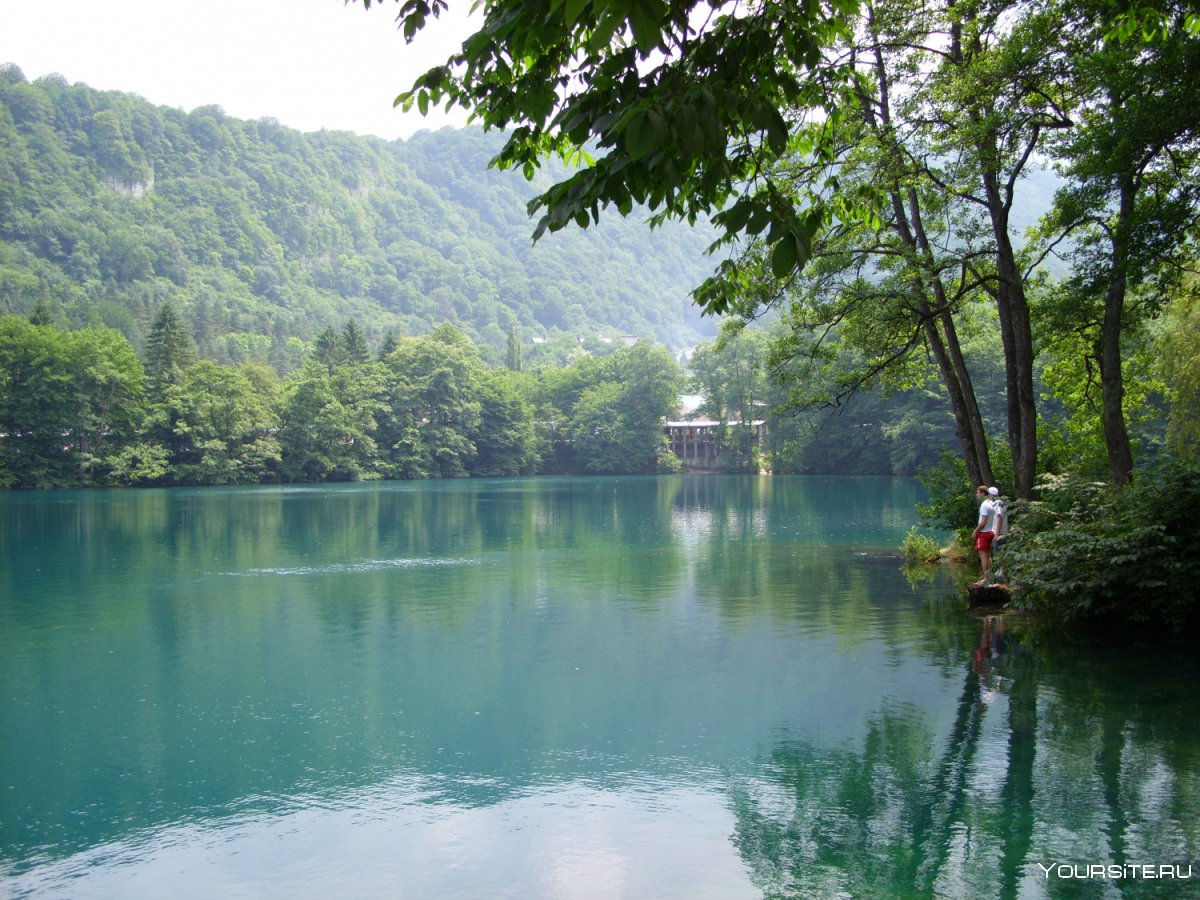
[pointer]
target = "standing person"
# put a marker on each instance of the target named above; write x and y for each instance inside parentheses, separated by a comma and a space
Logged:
(985, 529)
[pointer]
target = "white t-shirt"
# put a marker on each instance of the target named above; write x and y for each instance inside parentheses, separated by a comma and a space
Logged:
(987, 515)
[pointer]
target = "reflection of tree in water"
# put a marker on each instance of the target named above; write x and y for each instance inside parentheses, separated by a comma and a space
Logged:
(1053, 756)
(896, 819)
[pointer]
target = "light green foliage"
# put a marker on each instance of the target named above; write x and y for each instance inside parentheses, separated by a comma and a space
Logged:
(139, 465)
(326, 424)
(952, 505)
(731, 373)
(918, 548)
(679, 107)
(110, 207)
(71, 412)
(513, 353)
(600, 443)
(108, 396)
(604, 415)
(1130, 165)
(1071, 433)
(876, 431)
(223, 419)
(1180, 368)
(443, 374)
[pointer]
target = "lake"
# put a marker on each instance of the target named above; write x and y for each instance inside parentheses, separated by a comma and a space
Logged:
(676, 687)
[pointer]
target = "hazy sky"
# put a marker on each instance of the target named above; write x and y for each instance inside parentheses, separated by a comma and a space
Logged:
(311, 64)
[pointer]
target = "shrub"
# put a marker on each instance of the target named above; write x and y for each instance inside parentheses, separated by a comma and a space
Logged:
(918, 547)
(1089, 550)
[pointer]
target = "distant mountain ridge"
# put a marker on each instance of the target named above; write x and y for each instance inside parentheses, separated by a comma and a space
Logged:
(262, 236)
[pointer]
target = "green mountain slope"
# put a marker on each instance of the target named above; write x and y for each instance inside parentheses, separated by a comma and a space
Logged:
(262, 236)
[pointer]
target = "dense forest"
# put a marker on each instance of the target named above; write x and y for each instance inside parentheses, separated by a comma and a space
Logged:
(262, 236)
(194, 299)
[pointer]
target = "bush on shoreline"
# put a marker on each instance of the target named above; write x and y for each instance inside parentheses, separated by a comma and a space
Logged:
(1087, 550)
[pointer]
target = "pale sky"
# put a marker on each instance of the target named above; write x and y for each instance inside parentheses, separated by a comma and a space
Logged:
(311, 64)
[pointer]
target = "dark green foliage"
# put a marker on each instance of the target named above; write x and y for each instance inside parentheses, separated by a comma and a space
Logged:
(329, 349)
(505, 439)
(72, 412)
(169, 348)
(35, 405)
(615, 425)
(355, 343)
(66, 400)
(1088, 550)
(41, 314)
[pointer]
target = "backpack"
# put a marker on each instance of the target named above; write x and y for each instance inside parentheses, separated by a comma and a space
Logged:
(1001, 517)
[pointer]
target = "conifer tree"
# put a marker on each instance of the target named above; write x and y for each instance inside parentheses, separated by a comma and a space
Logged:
(390, 343)
(41, 314)
(354, 342)
(329, 349)
(513, 358)
(169, 348)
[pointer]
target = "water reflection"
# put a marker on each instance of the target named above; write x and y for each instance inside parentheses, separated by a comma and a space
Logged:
(1026, 795)
(593, 687)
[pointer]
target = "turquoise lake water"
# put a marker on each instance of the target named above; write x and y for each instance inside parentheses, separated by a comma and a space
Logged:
(686, 687)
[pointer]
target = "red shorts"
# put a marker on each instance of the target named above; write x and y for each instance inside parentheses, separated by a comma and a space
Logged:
(983, 540)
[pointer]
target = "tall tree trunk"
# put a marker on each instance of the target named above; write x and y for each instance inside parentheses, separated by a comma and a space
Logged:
(1017, 335)
(907, 226)
(954, 372)
(1112, 385)
(1011, 304)
(974, 417)
(937, 319)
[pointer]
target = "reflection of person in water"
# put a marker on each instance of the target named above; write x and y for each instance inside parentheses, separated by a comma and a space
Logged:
(989, 652)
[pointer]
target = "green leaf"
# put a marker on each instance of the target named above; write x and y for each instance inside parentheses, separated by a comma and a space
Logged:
(785, 256)
(574, 11)
(760, 218)
(644, 20)
(644, 134)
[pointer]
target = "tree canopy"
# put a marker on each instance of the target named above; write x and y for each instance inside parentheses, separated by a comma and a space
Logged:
(793, 124)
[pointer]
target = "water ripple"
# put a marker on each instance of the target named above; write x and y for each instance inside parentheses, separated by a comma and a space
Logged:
(355, 567)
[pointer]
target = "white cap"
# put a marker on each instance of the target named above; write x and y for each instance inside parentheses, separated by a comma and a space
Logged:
(994, 492)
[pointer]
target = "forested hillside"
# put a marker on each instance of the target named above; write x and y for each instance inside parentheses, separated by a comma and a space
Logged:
(262, 236)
